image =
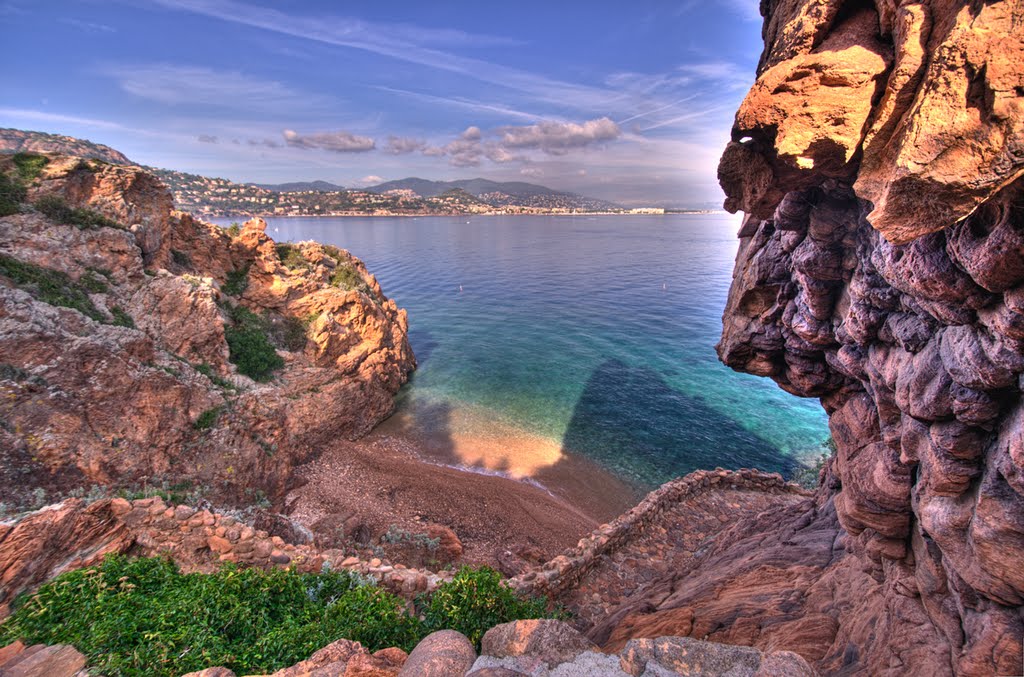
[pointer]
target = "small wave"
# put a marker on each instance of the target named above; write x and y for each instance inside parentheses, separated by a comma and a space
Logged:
(495, 473)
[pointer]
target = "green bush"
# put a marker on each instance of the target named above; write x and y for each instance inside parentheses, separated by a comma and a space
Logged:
(345, 276)
(49, 286)
(12, 194)
(291, 256)
(55, 208)
(475, 601)
(248, 346)
(29, 165)
(144, 617)
(121, 318)
(237, 281)
(207, 371)
(92, 283)
(208, 418)
(180, 258)
(234, 230)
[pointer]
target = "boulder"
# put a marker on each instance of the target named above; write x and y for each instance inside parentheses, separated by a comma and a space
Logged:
(548, 641)
(445, 653)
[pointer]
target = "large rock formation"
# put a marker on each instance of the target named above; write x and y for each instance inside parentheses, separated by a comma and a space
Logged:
(115, 367)
(881, 269)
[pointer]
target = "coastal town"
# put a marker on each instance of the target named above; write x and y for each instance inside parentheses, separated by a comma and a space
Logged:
(220, 198)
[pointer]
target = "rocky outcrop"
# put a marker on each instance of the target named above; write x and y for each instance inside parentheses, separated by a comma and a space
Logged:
(115, 363)
(881, 269)
(918, 105)
(550, 648)
(74, 534)
(39, 660)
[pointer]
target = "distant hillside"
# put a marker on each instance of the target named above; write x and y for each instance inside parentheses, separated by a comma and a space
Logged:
(298, 186)
(498, 193)
(20, 141)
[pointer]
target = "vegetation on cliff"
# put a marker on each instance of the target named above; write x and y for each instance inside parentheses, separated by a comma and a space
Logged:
(144, 617)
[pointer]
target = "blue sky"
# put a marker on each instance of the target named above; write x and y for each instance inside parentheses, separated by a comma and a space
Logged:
(628, 101)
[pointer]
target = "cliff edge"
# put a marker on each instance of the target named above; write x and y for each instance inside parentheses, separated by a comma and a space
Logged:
(139, 346)
(878, 158)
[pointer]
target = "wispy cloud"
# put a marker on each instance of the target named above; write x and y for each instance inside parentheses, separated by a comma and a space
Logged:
(399, 41)
(748, 10)
(206, 138)
(176, 84)
(465, 104)
(90, 26)
(23, 114)
(336, 142)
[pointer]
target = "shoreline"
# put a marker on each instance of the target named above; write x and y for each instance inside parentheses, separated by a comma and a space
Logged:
(396, 476)
(454, 214)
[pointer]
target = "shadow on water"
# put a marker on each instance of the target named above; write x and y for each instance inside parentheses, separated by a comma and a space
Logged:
(631, 421)
(423, 344)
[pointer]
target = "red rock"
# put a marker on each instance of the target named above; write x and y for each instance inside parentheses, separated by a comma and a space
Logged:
(885, 278)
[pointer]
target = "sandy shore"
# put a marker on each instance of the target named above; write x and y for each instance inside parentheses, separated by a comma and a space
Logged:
(400, 476)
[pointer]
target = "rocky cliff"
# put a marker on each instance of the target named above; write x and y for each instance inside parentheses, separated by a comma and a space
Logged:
(878, 158)
(141, 346)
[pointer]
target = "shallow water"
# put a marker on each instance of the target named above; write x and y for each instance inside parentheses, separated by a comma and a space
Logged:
(551, 335)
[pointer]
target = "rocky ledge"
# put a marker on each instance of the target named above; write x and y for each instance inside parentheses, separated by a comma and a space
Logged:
(878, 158)
(127, 331)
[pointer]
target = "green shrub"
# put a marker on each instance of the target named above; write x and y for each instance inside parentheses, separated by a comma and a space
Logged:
(12, 194)
(55, 208)
(208, 418)
(144, 617)
(92, 283)
(49, 286)
(177, 493)
(234, 230)
(207, 371)
(121, 318)
(345, 276)
(475, 601)
(289, 333)
(180, 258)
(248, 346)
(29, 165)
(237, 281)
(291, 256)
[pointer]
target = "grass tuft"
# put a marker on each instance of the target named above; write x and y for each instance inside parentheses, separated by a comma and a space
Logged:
(56, 209)
(291, 256)
(49, 286)
(29, 166)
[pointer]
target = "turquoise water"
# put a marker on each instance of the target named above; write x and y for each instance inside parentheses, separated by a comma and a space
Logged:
(595, 334)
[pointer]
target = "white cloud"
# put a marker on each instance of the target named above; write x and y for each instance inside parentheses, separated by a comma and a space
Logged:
(399, 145)
(336, 142)
(557, 138)
(370, 180)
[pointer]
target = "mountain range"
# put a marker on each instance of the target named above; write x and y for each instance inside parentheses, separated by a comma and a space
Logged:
(493, 192)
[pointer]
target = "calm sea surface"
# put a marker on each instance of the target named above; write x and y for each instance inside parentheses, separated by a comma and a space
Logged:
(593, 335)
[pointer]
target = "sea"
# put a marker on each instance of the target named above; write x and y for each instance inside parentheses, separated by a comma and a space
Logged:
(539, 337)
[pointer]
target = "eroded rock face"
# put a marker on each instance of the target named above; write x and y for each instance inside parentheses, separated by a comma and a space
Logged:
(111, 392)
(883, 272)
(920, 105)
